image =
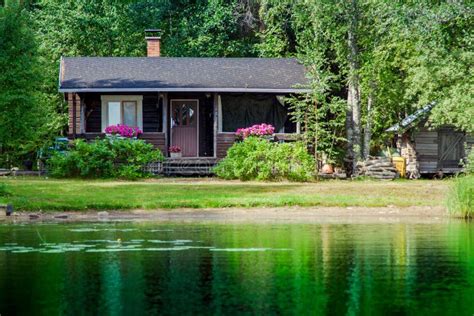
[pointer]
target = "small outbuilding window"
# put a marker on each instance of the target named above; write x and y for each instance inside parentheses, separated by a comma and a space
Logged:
(122, 109)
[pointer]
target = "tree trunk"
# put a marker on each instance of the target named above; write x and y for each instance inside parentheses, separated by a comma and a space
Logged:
(353, 96)
(368, 127)
(349, 135)
(316, 131)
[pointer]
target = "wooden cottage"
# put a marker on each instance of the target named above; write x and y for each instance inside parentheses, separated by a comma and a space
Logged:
(430, 151)
(194, 103)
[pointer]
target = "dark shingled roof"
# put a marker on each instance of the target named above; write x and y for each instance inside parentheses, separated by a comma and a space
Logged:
(181, 74)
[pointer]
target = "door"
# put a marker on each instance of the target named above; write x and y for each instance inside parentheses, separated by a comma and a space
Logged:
(184, 126)
(451, 148)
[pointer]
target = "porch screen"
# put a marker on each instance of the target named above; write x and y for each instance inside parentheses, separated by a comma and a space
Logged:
(244, 110)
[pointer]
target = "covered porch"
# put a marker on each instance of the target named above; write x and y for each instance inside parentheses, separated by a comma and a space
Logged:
(202, 124)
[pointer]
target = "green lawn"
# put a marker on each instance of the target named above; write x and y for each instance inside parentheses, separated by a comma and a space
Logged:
(33, 194)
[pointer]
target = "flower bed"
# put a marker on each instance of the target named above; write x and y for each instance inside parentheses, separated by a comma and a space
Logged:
(123, 130)
(259, 130)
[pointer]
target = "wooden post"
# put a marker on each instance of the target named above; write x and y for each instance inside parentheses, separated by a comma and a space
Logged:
(165, 121)
(74, 116)
(82, 117)
(219, 113)
(215, 112)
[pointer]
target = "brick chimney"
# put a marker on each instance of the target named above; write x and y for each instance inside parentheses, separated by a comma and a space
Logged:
(153, 41)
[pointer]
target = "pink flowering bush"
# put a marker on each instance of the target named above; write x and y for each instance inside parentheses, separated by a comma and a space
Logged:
(123, 130)
(257, 130)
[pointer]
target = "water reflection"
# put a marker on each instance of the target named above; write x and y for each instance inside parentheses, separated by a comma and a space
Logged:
(136, 268)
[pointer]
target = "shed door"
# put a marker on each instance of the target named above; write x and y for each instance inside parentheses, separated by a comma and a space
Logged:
(184, 126)
(451, 148)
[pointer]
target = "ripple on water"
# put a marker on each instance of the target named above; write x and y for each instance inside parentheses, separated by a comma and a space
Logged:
(93, 229)
(178, 241)
(249, 249)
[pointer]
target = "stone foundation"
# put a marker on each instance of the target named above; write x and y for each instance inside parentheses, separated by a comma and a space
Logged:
(408, 151)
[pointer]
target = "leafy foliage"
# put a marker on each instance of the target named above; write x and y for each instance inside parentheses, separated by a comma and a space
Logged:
(469, 167)
(4, 190)
(461, 197)
(104, 158)
(258, 159)
(409, 54)
(23, 114)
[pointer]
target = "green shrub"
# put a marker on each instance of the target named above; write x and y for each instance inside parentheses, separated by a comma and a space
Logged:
(104, 158)
(4, 191)
(461, 197)
(258, 159)
(469, 168)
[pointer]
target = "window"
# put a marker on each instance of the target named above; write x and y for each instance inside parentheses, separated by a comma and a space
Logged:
(122, 109)
(114, 113)
(183, 114)
(129, 113)
(122, 113)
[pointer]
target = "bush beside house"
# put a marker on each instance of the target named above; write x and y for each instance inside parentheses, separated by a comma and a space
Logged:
(255, 158)
(111, 157)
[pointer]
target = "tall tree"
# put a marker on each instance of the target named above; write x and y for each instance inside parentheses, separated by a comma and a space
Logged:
(22, 110)
(353, 86)
(441, 69)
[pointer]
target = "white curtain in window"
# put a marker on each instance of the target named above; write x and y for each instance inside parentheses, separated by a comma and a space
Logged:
(130, 113)
(114, 113)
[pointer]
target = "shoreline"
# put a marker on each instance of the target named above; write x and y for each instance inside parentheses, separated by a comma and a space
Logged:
(290, 215)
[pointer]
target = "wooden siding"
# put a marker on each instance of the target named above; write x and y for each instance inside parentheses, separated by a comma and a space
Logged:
(74, 113)
(426, 145)
(157, 139)
(224, 142)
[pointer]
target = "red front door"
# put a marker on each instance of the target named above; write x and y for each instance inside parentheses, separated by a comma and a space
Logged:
(184, 126)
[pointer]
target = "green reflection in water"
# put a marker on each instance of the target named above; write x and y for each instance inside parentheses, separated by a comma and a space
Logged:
(137, 268)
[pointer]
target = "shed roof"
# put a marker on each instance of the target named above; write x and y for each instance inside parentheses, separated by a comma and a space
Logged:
(408, 121)
(184, 74)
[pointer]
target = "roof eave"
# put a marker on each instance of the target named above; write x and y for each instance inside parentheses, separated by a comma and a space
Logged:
(254, 90)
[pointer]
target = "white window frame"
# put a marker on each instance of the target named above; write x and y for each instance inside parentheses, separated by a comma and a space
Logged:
(105, 99)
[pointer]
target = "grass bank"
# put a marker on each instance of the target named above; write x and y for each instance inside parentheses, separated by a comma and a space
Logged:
(461, 197)
(33, 194)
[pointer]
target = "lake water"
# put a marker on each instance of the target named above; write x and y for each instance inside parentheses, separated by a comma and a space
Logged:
(174, 268)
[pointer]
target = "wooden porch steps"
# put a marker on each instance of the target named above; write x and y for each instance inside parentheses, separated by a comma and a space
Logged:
(188, 166)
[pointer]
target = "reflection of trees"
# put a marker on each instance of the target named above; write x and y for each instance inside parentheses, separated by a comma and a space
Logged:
(331, 269)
